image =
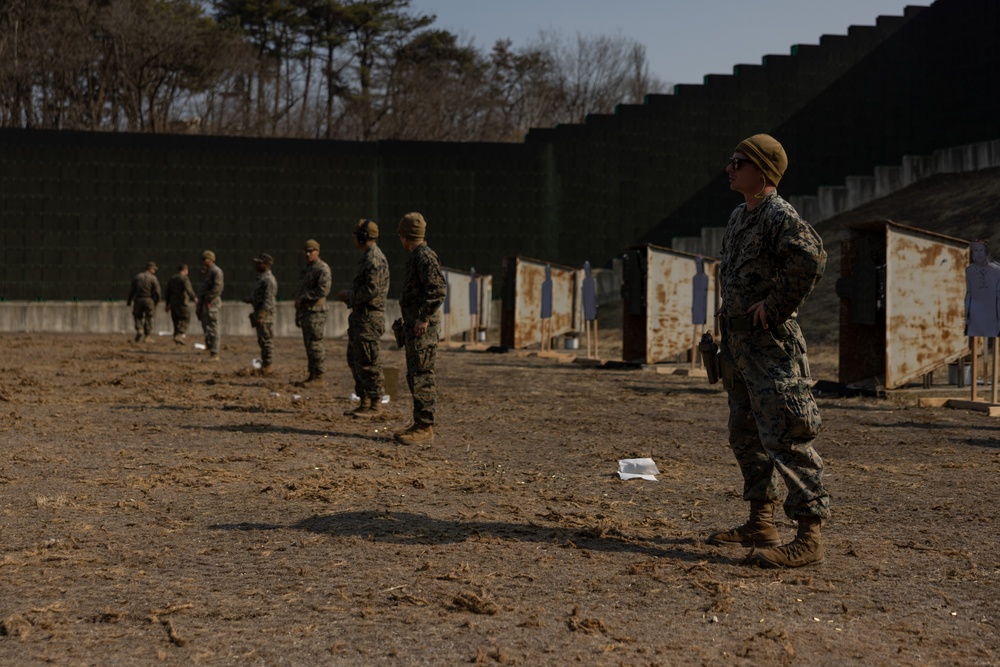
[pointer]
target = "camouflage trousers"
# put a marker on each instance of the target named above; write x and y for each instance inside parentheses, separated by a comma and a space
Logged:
(142, 313)
(420, 378)
(265, 339)
(181, 317)
(773, 420)
(209, 318)
(313, 324)
(366, 367)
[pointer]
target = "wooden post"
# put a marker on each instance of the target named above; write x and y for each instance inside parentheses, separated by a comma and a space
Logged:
(975, 366)
(996, 372)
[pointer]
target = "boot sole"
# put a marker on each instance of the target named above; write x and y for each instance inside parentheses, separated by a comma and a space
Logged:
(747, 545)
(763, 562)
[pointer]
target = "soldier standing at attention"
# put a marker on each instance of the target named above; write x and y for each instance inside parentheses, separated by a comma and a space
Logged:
(264, 302)
(143, 295)
(366, 324)
(179, 294)
(311, 309)
(771, 260)
(423, 294)
(210, 302)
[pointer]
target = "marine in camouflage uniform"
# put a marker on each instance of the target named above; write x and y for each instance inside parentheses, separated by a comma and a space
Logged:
(422, 296)
(210, 302)
(311, 309)
(143, 295)
(771, 260)
(179, 294)
(264, 302)
(366, 324)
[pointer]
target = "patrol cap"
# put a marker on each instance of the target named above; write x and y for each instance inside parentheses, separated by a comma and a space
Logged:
(311, 244)
(150, 265)
(765, 152)
(264, 258)
(412, 226)
(208, 254)
(371, 229)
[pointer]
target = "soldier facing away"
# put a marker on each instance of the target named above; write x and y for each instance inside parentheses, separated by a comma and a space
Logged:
(771, 260)
(210, 302)
(422, 296)
(264, 302)
(311, 310)
(366, 324)
(143, 296)
(178, 296)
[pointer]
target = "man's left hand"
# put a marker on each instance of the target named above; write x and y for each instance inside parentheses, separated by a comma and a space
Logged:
(759, 315)
(419, 327)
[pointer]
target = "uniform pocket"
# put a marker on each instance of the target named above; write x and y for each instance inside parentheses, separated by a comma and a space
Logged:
(801, 420)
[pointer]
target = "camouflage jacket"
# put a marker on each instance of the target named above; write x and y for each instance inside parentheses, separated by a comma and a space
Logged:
(371, 282)
(144, 286)
(210, 294)
(423, 287)
(769, 254)
(264, 297)
(179, 291)
(314, 286)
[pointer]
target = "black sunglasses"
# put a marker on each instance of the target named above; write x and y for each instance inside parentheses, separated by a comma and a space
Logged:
(737, 161)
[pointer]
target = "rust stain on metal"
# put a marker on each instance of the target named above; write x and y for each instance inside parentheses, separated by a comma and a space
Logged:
(529, 278)
(925, 294)
(670, 289)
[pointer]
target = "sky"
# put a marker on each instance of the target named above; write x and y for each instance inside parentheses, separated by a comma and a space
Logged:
(684, 39)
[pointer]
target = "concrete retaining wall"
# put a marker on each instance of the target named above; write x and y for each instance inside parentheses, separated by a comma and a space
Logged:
(858, 190)
(114, 317)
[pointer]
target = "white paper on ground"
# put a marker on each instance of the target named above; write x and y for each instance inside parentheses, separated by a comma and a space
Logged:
(637, 469)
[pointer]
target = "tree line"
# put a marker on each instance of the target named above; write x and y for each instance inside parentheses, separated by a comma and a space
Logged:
(324, 69)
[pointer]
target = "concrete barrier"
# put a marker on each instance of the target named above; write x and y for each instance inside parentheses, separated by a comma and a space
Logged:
(114, 317)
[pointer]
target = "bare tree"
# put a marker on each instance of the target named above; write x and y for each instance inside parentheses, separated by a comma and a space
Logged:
(594, 74)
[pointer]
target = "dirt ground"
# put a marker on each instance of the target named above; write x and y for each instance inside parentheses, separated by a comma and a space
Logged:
(161, 509)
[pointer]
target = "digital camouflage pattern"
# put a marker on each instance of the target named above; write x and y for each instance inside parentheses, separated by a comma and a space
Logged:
(314, 287)
(422, 296)
(143, 296)
(178, 296)
(264, 302)
(209, 305)
(771, 254)
(366, 324)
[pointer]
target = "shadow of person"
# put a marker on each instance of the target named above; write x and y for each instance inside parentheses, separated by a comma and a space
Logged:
(419, 529)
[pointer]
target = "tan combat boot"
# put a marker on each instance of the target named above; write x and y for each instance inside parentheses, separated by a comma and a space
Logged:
(314, 379)
(358, 408)
(759, 530)
(418, 434)
(805, 549)
(374, 409)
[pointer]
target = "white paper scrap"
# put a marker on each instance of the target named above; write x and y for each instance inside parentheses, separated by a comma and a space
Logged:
(637, 469)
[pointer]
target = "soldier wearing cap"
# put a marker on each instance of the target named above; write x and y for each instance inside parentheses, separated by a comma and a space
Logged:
(771, 260)
(311, 309)
(366, 324)
(179, 294)
(143, 295)
(264, 302)
(210, 302)
(422, 296)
